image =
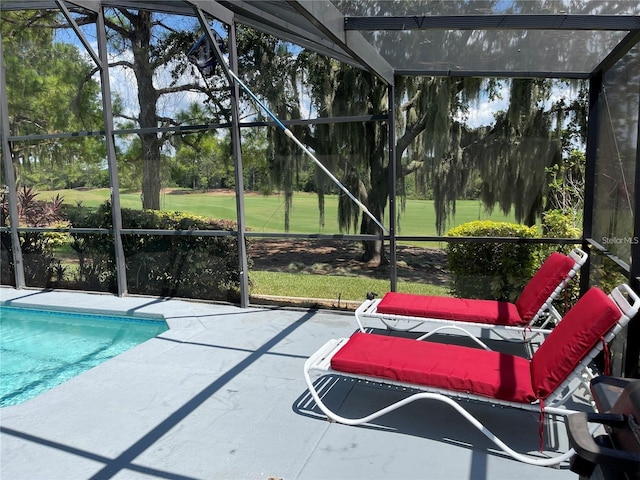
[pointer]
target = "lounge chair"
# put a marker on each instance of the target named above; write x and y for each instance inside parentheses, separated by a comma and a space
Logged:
(442, 371)
(528, 317)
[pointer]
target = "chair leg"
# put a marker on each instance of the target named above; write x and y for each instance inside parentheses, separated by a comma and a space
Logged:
(332, 416)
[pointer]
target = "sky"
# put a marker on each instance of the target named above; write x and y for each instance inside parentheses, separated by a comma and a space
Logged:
(123, 83)
(482, 113)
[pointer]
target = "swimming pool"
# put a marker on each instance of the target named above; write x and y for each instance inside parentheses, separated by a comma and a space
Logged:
(40, 349)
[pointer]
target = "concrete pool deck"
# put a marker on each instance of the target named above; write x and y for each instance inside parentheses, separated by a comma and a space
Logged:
(221, 395)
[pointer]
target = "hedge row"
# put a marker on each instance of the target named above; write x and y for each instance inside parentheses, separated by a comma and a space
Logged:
(160, 265)
(501, 270)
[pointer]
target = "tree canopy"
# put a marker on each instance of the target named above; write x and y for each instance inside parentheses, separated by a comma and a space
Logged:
(505, 162)
(49, 90)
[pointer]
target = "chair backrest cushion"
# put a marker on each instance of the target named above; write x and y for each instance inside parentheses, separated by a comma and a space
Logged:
(552, 272)
(571, 340)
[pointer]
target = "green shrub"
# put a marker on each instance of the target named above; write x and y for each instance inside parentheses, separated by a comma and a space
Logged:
(162, 265)
(40, 265)
(605, 273)
(556, 224)
(490, 270)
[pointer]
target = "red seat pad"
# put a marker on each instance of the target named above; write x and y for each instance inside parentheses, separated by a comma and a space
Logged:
(450, 367)
(571, 340)
(553, 271)
(450, 308)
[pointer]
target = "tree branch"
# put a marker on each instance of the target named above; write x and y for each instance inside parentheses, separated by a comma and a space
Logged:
(94, 70)
(116, 27)
(127, 117)
(121, 63)
(411, 167)
(183, 88)
(129, 16)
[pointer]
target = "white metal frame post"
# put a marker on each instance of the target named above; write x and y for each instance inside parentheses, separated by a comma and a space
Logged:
(116, 214)
(10, 179)
(237, 156)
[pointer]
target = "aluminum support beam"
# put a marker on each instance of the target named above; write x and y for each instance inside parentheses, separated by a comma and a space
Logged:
(632, 350)
(288, 30)
(92, 5)
(215, 10)
(76, 28)
(116, 213)
(9, 176)
(495, 22)
(329, 20)
(393, 178)
(237, 157)
(626, 44)
(593, 125)
(237, 149)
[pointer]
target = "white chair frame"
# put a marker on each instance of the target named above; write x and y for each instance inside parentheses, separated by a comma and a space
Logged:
(320, 363)
(547, 314)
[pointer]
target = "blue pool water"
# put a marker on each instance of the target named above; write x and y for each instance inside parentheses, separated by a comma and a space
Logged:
(41, 349)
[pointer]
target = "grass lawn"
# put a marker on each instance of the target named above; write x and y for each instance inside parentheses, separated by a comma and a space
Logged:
(330, 286)
(265, 213)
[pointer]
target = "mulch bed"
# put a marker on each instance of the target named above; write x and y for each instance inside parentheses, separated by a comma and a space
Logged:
(424, 265)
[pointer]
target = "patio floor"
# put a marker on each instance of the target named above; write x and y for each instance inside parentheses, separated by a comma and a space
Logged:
(221, 396)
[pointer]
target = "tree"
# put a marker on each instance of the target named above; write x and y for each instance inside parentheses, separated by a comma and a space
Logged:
(254, 160)
(135, 30)
(430, 141)
(511, 158)
(204, 164)
(356, 149)
(150, 45)
(446, 153)
(270, 68)
(566, 186)
(43, 96)
(433, 140)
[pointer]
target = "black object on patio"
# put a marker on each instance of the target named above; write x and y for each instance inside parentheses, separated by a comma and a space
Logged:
(616, 455)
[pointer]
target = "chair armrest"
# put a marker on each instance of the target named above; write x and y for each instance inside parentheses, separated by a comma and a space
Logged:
(586, 447)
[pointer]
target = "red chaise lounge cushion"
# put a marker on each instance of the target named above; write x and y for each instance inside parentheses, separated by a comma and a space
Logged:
(554, 270)
(450, 308)
(451, 367)
(481, 372)
(571, 340)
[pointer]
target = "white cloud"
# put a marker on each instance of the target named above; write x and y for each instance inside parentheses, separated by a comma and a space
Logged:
(123, 83)
(483, 112)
